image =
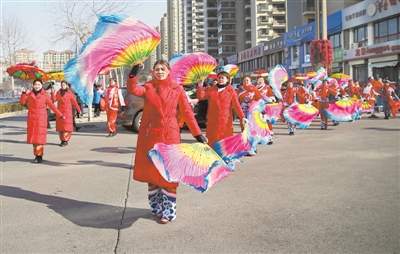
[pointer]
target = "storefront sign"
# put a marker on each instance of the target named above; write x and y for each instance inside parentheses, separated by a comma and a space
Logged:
(368, 11)
(375, 50)
(233, 59)
(302, 34)
(307, 58)
(338, 55)
(251, 53)
(274, 45)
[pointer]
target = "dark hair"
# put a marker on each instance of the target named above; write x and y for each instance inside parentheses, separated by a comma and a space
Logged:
(64, 81)
(225, 74)
(39, 80)
(162, 62)
(113, 79)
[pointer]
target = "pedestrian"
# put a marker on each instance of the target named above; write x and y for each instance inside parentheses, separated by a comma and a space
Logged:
(65, 100)
(162, 97)
(36, 101)
(113, 99)
(387, 95)
(97, 94)
(222, 98)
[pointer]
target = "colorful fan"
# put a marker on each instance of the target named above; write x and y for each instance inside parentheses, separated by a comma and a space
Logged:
(342, 110)
(191, 68)
(232, 148)
(320, 75)
(277, 76)
(56, 75)
(357, 104)
(117, 41)
(258, 130)
(231, 69)
(196, 165)
(366, 107)
(300, 114)
(273, 112)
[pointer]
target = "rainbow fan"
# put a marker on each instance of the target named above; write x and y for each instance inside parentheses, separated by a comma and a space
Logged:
(300, 115)
(231, 69)
(342, 110)
(258, 130)
(232, 148)
(366, 107)
(117, 41)
(277, 76)
(196, 165)
(191, 68)
(273, 112)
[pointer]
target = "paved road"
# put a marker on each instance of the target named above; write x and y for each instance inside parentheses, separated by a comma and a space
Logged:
(333, 191)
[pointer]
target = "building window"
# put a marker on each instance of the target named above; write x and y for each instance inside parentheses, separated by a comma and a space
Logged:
(336, 41)
(309, 6)
(361, 36)
(262, 32)
(296, 52)
(387, 30)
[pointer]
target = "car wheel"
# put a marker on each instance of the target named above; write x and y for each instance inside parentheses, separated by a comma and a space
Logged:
(136, 121)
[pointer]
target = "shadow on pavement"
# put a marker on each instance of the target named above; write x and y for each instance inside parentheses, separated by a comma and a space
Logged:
(118, 150)
(81, 213)
(382, 129)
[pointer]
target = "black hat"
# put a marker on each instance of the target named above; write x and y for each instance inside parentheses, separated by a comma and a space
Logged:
(386, 81)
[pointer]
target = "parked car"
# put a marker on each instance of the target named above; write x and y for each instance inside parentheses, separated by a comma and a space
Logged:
(131, 116)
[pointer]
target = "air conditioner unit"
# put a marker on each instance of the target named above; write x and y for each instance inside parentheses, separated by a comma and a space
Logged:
(354, 45)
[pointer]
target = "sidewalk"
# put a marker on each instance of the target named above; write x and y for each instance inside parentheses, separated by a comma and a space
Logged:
(95, 122)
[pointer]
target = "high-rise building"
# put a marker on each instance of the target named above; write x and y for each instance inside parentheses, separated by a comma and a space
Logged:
(23, 56)
(174, 18)
(54, 61)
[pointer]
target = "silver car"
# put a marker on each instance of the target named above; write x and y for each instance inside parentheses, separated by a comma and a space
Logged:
(131, 115)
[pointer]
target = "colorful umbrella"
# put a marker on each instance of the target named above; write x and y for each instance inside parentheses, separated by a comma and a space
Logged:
(277, 76)
(231, 69)
(299, 77)
(191, 68)
(300, 114)
(27, 71)
(196, 165)
(259, 73)
(117, 41)
(340, 76)
(233, 147)
(56, 75)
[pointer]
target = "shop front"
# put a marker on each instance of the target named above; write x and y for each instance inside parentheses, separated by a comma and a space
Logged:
(274, 53)
(250, 60)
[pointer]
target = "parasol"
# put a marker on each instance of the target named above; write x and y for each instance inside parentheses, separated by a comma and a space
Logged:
(196, 165)
(300, 114)
(311, 74)
(299, 77)
(56, 75)
(277, 76)
(191, 68)
(259, 73)
(117, 41)
(27, 71)
(340, 76)
(231, 69)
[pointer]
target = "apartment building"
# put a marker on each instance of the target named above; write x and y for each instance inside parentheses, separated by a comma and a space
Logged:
(54, 61)
(23, 56)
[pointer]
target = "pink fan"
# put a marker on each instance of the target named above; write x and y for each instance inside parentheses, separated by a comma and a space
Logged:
(277, 76)
(258, 129)
(232, 148)
(300, 114)
(343, 110)
(320, 75)
(273, 112)
(196, 164)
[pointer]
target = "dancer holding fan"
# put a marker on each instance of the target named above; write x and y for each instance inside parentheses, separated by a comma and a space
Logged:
(162, 96)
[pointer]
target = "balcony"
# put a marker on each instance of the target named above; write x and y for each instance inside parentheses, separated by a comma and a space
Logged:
(278, 11)
(278, 24)
(278, 1)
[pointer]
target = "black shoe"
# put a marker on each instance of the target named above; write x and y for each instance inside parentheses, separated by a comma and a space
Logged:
(64, 143)
(38, 159)
(291, 133)
(112, 134)
(335, 124)
(270, 142)
(77, 128)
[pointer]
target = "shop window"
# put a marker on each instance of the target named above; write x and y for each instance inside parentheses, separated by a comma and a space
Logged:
(387, 30)
(295, 52)
(361, 36)
(336, 41)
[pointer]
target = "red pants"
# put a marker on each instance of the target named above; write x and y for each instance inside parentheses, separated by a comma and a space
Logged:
(38, 150)
(64, 135)
(112, 120)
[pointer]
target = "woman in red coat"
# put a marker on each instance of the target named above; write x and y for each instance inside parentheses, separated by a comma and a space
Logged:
(162, 96)
(36, 100)
(65, 99)
(221, 99)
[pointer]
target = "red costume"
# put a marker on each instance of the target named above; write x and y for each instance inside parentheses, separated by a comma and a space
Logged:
(219, 114)
(37, 118)
(113, 100)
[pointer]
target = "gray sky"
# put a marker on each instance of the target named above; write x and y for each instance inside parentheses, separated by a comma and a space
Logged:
(33, 15)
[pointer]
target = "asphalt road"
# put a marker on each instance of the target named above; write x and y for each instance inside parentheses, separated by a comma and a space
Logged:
(332, 191)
